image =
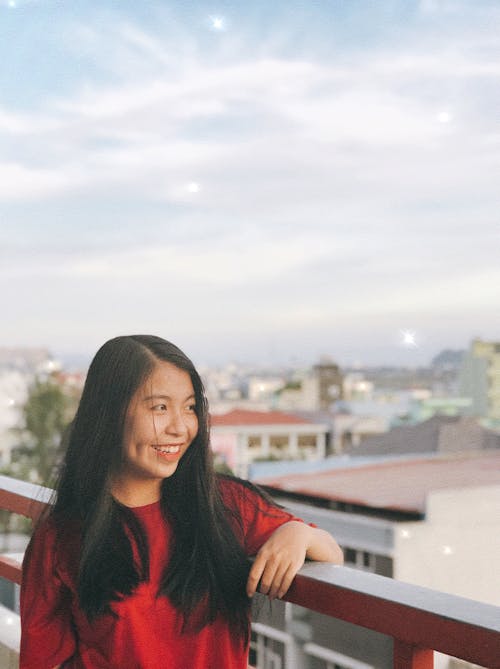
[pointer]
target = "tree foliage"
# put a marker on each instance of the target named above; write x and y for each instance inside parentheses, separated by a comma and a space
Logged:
(44, 419)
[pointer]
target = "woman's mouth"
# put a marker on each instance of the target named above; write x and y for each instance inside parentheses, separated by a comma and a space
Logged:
(166, 449)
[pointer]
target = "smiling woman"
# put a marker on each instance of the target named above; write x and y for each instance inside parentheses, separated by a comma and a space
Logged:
(142, 563)
(160, 424)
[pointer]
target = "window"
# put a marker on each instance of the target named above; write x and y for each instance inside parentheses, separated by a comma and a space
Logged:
(279, 442)
(307, 445)
(350, 556)
(368, 561)
(254, 442)
(317, 663)
(266, 653)
(360, 559)
(307, 441)
(325, 658)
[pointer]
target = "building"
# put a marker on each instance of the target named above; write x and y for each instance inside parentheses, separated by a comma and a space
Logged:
(239, 437)
(350, 430)
(263, 388)
(432, 521)
(439, 434)
(480, 379)
(329, 383)
(316, 390)
(27, 360)
(422, 409)
(356, 387)
(13, 393)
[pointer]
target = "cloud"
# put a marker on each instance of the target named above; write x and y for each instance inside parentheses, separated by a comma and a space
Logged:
(25, 124)
(18, 182)
(329, 184)
(433, 7)
(250, 258)
(196, 117)
(146, 127)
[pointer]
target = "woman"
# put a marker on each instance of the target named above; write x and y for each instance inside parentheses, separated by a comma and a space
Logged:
(142, 562)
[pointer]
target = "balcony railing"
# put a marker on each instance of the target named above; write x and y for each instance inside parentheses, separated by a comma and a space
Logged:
(418, 619)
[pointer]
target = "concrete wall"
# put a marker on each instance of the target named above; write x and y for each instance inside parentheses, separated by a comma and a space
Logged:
(10, 636)
(457, 548)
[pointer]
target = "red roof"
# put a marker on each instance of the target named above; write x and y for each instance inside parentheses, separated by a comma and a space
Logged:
(400, 486)
(245, 417)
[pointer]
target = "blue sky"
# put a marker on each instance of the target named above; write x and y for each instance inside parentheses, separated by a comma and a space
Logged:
(255, 181)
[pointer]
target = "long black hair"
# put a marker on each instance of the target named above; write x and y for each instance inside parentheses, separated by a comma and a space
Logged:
(207, 568)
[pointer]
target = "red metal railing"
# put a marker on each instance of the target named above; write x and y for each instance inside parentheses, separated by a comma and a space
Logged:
(419, 620)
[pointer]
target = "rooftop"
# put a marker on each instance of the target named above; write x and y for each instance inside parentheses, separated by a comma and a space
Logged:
(438, 434)
(245, 417)
(401, 485)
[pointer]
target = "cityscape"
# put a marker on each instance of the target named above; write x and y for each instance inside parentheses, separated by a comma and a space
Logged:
(400, 465)
(303, 196)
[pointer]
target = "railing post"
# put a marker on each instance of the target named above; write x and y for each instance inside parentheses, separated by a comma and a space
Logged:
(407, 656)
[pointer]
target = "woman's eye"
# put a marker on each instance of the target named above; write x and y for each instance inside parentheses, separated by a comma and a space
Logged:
(192, 408)
(159, 407)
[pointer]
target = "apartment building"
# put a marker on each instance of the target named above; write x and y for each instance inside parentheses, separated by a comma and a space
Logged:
(240, 437)
(480, 379)
(431, 520)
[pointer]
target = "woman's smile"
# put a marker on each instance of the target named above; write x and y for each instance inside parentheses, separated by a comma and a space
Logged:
(160, 425)
(168, 449)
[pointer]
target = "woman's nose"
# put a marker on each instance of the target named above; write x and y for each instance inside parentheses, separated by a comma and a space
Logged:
(175, 423)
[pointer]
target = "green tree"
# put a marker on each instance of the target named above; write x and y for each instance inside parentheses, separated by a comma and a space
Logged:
(44, 419)
(221, 467)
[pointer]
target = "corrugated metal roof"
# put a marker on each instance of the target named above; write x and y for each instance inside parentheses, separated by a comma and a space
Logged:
(398, 486)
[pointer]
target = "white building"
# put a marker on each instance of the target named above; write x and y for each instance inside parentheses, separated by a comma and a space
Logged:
(13, 393)
(317, 390)
(480, 379)
(240, 437)
(263, 388)
(432, 521)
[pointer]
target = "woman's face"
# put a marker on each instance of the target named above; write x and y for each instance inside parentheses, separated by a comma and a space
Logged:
(160, 424)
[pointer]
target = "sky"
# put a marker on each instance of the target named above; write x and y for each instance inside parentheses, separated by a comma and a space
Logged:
(255, 181)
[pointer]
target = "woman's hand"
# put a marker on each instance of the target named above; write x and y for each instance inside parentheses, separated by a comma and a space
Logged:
(284, 553)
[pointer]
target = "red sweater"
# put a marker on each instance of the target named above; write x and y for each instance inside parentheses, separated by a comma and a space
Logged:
(145, 634)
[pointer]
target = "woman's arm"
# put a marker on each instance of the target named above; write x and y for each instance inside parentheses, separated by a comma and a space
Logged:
(47, 633)
(284, 553)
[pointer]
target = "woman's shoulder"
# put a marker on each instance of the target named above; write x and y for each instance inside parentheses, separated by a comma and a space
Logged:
(51, 524)
(53, 535)
(241, 494)
(234, 487)
(257, 514)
